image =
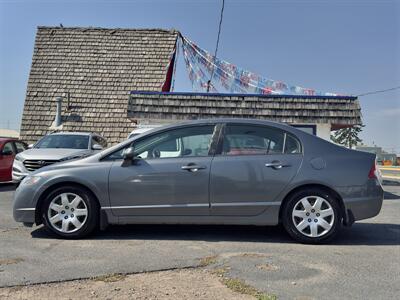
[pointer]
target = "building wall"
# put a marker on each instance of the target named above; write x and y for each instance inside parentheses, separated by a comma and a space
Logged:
(95, 68)
(324, 131)
(322, 112)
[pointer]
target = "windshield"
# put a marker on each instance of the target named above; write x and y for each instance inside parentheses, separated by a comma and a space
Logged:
(69, 141)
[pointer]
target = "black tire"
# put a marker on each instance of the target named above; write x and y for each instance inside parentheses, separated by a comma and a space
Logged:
(289, 223)
(92, 219)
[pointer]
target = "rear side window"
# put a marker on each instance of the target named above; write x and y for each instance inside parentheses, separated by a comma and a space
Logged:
(252, 140)
(292, 145)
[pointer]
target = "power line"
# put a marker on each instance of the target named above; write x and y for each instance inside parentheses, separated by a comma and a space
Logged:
(216, 46)
(379, 91)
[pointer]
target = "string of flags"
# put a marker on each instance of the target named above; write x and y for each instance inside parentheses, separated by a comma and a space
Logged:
(209, 73)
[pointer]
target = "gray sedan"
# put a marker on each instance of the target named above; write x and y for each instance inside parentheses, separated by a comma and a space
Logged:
(221, 171)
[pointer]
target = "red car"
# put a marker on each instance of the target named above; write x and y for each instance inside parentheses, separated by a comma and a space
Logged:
(9, 147)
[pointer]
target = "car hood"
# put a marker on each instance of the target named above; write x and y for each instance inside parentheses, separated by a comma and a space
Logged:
(53, 153)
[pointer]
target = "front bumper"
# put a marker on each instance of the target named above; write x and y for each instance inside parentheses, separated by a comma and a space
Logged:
(25, 215)
(24, 208)
(19, 171)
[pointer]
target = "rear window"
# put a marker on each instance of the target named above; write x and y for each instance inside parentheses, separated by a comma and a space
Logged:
(292, 145)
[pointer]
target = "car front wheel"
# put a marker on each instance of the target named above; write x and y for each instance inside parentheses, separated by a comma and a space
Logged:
(70, 212)
(312, 216)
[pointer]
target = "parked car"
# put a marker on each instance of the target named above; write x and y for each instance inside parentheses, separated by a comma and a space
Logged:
(54, 148)
(224, 171)
(9, 147)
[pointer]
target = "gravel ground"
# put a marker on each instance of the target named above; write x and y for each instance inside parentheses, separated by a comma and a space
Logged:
(362, 263)
(174, 284)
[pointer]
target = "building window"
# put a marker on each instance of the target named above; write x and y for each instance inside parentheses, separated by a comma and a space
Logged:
(311, 129)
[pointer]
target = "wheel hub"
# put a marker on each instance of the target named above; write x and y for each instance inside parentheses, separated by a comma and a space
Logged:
(67, 212)
(313, 216)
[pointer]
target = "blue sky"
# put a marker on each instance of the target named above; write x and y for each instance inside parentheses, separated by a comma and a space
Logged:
(344, 46)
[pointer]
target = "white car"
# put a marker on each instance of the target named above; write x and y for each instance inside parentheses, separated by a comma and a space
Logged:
(53, 148)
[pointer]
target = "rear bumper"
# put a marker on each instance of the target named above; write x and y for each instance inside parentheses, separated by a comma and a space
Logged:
(364, 208)
(363, 202)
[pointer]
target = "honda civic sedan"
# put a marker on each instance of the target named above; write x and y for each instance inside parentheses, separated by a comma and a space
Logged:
(220, 171)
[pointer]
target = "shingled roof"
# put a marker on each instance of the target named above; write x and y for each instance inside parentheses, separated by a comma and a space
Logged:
(339, 111)
(98, 68)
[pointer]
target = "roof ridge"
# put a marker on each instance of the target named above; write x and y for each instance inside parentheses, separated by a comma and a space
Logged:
(107, 29)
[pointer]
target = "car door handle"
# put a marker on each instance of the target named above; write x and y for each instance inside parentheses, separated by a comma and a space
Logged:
(192, 167)
(276, 165)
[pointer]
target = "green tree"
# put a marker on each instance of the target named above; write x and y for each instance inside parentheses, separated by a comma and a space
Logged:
(348, 136)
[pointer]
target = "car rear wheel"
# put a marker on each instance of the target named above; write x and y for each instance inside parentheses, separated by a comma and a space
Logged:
(70, 212)
(312, 216)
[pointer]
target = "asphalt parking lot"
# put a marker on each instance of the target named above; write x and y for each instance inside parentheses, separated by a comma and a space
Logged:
(363, 262)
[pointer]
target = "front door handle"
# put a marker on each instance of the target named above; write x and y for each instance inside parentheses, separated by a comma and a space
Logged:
(276, 165)
(192, 167)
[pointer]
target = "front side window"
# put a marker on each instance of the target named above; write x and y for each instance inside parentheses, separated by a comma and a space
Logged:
(252, 140)
(8, 149)
(69, 141)
(20, 147)
(189, 141)
(183, 142)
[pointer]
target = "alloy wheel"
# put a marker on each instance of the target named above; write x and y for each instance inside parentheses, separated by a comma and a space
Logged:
(67, 212)
(313, 216)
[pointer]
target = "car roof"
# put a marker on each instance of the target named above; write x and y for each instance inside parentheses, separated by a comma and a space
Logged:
(6, 139)
(72, 133)
(231, 120)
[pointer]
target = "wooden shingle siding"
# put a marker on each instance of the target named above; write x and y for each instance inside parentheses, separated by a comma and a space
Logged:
(288, 109)
(98, 67)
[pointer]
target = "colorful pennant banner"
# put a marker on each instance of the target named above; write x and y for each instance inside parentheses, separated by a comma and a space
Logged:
(226, 77)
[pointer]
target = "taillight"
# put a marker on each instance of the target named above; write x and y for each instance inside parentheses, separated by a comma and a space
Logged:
(374, 172)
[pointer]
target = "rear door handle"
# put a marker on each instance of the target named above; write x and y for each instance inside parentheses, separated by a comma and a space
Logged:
(192, 167)
(276, 165)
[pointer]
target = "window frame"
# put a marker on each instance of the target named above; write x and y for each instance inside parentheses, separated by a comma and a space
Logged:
(211, 152)
(285, 133)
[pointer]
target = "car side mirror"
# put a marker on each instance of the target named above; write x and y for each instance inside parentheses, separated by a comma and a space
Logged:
(129, 153)
(97, 147)
(30, 146)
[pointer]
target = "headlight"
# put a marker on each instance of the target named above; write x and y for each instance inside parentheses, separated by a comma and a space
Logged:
(18, 157)
(31, 180)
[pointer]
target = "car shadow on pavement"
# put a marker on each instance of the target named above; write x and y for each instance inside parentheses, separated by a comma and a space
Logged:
(390, 196)
(7, 187)
(358, 234)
